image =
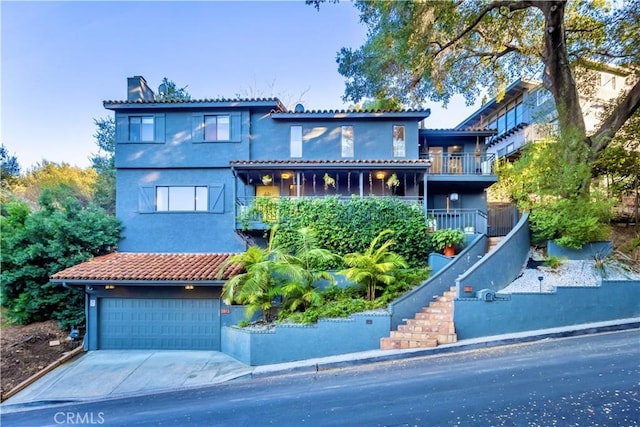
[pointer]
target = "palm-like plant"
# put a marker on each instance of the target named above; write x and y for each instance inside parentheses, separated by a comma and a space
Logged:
(303, 269)
(258, 286)
(375, 266)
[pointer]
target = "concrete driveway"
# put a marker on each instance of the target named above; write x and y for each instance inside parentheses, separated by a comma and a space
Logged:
(113, 373)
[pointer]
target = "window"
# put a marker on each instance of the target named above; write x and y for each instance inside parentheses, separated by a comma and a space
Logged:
(169, 199)
(141, 128)
(296, 142)
(347, 141)
(511, 118)
(217, 128)
(398, 141)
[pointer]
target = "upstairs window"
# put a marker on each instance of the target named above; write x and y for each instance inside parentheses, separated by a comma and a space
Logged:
(217, 128)
(296, 142)
(347, 141)
(399, 141)
(141, 128)
(182, 199)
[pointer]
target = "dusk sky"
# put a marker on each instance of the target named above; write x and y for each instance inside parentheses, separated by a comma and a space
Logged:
(60, 60)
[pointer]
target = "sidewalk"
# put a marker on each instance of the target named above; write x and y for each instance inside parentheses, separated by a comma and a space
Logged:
(105, 374)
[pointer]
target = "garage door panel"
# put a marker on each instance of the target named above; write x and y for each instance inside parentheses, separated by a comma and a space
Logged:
(159, 323)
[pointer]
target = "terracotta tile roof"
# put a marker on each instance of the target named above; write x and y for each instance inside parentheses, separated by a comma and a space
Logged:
(149, 267)
(330, 162)
(196, 101)
(351, 111)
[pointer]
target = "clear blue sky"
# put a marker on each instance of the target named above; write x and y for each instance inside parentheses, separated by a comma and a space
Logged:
(60, 60)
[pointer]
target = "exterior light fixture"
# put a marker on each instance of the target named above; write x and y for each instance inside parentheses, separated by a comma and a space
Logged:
(285, 175)
(380, 175)
(540, 278)
(189, 287)
(109, 287)
(454, 197)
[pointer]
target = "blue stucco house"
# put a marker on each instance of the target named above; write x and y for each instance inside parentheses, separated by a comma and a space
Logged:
(187, 170)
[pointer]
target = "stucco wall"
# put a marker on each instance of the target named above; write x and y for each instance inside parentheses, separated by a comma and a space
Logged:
(588, 251)
(410, 303)
(287, 343)
(166, 232)
(501, 266)
(530, 311)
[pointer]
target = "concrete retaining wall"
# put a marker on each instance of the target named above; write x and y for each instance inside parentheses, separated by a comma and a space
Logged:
(501, 266)
(509, 313)
(287, 343)
(410, 303)
(589, 251)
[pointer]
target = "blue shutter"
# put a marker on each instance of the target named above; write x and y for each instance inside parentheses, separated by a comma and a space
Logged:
(146, 200)
(122, 128)
(197, 127)
(159, 120)
(216, 198)
(236, 127)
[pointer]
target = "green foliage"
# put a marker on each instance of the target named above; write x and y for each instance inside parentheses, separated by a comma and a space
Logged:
(9, 168)
(375, 267)
(103, 162)
(272, 273)
(36, 245)
(570, 222)
(346, 227)
(445, 237)
(338, 302)
(553, 262)
(172, 92)
(59, 180)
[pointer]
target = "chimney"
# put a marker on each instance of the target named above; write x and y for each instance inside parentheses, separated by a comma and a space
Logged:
(137, 89)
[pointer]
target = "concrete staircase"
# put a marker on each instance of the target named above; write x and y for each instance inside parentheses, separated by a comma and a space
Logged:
(433, 325)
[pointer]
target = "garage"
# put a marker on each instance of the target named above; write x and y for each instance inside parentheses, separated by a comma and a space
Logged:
(154, 323)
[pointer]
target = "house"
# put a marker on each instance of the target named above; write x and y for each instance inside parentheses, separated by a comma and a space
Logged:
(525, 112)
(187, 170)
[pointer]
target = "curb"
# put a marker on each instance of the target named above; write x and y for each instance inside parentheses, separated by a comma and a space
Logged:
(33, 378)
(378, 356)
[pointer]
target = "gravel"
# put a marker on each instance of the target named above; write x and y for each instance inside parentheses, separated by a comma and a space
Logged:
(582, 273)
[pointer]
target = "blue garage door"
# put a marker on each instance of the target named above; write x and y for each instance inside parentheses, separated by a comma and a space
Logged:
(175, 324)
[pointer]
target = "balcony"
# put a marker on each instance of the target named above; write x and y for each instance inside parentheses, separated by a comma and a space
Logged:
(462, 164)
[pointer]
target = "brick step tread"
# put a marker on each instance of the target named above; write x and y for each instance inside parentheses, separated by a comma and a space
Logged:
(393, 344)
(445, 329)
(422, 322)
(436, 309)
(417, 336)
(433, 316)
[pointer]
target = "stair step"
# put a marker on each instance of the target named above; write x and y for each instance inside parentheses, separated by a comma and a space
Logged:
(396, 344)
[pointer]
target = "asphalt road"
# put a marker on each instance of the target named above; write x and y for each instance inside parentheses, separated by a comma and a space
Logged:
(591, 380)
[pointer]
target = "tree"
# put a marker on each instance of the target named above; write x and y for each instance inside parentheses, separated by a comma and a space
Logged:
(169, 92)
(9, 167)
(433, 50)
(258, 286)
(104, 164)
(375, 266)
(36, 245)
(62, 179)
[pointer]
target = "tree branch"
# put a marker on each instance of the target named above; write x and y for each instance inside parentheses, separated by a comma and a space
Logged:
(620, 114)
(512, 5)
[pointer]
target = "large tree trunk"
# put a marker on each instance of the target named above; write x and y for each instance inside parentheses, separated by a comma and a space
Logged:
(558, 77)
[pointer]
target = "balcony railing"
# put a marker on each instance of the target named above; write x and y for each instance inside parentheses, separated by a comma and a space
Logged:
(461, 164)
(470, 220)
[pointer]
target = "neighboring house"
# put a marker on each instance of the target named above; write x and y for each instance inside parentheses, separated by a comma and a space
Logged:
(188, 170)
(525, 112)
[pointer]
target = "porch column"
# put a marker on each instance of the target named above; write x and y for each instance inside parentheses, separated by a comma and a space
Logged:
(424, 191)
(361, 185)
(298, 192)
